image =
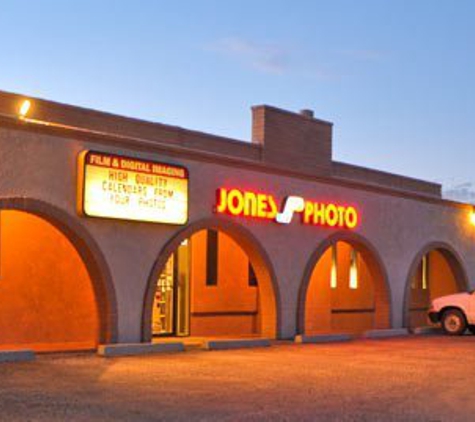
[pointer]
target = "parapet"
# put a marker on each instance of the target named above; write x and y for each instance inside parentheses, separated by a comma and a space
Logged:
(297, 143)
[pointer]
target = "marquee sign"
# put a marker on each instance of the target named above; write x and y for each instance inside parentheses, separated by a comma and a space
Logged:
(237, 202)
(127, 188)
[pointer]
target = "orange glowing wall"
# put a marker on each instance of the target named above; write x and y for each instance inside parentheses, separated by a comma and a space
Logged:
(343, 309)
(230, 307)
(419, 300)
(46, 296)
(441, 281)
(441, 277)
(318, 317)
(352, 309)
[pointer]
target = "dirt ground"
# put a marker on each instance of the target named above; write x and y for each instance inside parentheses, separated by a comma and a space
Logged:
(410, 379)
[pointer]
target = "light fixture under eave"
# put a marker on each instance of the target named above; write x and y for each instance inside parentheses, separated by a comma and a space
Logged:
(472, 217)
(24, 109)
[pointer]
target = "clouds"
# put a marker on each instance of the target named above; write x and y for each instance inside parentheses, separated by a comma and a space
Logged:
(463, 192)
(272, 58)
(265, 58)
(278, 59)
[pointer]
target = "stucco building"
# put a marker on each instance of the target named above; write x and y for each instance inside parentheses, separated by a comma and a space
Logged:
(116, 230)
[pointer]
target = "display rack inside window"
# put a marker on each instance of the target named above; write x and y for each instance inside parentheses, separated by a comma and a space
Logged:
(164, 301)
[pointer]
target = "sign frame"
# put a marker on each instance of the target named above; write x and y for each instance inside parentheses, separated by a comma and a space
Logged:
(81, 186)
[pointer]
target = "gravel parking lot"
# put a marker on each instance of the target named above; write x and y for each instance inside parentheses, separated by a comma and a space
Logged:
(424, 378)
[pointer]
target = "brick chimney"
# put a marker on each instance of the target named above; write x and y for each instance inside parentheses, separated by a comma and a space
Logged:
(296, 141)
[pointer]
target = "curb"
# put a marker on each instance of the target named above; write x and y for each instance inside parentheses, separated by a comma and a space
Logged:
(7, 356)
(138, 349)
(389, 333)
(322, 338)
(426, 331)
(236, 344)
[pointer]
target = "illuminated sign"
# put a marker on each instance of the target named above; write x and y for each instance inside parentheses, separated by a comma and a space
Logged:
(260, 205)
(127, 188)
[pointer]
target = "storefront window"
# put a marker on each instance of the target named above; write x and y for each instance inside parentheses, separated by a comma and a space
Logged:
(212, 258)
(252, 276)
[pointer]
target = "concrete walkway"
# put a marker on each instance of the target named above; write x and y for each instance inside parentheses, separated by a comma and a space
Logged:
(407, 379)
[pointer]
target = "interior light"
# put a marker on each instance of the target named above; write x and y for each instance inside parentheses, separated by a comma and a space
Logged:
(424, 272)
(353, 269)
(333, 271)
(24, 108)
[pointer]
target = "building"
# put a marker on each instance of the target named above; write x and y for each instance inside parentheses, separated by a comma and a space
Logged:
(116, 230)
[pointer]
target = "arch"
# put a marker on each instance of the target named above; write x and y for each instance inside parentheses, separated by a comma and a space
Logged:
(88, 250)
(454, 261)
(370, 254)
(270, 298)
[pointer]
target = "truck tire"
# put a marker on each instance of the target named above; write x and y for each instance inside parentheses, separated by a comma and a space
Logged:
(454, 322)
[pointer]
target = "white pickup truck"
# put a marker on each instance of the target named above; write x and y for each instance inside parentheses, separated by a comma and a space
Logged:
(455, 313)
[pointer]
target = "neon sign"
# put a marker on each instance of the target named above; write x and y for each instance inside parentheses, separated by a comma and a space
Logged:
(247, 204)
(236, 202)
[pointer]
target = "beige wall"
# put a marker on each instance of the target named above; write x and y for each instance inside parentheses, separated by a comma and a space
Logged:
(44, 167)
(46, 297)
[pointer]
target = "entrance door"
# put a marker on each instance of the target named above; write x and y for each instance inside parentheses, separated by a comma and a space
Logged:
(171, 307)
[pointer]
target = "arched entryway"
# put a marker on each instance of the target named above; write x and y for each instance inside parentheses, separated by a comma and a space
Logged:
(55, 289)
(436, 271)
(344, 289)
(212, 279)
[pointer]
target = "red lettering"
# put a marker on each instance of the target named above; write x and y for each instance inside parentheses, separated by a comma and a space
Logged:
(260, 205)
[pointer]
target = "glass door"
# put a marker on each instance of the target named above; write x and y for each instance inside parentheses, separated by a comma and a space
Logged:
(171, 305)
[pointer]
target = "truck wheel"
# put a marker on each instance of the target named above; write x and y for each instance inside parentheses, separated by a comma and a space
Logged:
(453, 322)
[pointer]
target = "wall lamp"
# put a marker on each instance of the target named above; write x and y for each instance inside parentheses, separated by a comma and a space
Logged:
(472, 217)
(24, 109)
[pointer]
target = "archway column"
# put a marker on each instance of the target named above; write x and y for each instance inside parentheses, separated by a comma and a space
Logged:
(289, 268)
(130, 264)
(396, 279)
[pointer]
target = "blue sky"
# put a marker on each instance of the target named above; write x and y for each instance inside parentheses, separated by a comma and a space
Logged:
(395, 77)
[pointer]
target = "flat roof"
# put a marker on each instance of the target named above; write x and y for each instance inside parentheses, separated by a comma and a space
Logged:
(98, 125)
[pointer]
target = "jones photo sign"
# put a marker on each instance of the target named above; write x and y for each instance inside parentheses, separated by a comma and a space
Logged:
(242, 203)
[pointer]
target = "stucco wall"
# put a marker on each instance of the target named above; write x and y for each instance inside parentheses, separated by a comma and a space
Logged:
(43, 167)
(230, 307)
(341, 308)
(47, 301)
